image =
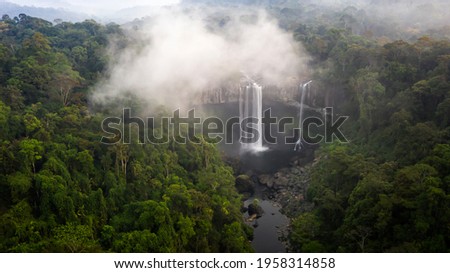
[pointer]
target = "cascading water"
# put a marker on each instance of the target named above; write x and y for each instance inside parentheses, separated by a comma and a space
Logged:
(304, 88)
(250, 106)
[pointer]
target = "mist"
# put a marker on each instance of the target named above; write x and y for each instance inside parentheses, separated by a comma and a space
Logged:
(178, 54)
(412, 17)
(98, 8)
(407, 15)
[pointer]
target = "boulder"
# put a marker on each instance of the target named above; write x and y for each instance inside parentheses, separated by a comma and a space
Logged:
(281, 182)
(254, 209)
(266, 180)
(244, 184)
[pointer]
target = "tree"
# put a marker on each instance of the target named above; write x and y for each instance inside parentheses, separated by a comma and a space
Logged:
(4, 116)
(58, 188)
(38, 44)
(19, 184)
(122, 158)
(138, 241)
(32, 123)
(427, 95)
(305, 233)
(185, 230)
(75, 238)
(368, 92)
(12, 96)
(234, 239)
(369, 212)
(31, 151)
(64, 78)
(79, 56)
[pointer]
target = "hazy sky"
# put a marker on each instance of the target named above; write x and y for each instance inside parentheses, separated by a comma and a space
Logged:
(96, 7)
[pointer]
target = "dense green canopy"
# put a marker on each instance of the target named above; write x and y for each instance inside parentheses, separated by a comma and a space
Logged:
(388, 190)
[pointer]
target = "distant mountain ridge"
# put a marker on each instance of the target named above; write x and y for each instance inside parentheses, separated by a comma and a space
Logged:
(49, 14)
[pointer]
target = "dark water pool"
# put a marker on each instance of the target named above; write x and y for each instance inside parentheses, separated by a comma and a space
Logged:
(270, 224)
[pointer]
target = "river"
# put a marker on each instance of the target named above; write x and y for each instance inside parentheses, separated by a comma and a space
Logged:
(270, 227)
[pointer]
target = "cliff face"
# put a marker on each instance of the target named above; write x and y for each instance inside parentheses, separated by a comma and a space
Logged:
(224, 93)
(229, 92)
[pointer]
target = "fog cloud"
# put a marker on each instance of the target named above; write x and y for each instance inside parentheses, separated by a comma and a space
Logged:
(178, 54)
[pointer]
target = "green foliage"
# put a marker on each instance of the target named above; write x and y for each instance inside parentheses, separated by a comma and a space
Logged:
(31, 150)
(75, 238)
(19, 184)
(61, 191)
(4, 113)
(388, 189)
(368, 91)
(305, 232)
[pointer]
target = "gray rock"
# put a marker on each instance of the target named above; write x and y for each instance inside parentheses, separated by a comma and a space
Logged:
(255, 210)
(266, 180)
(244, 184)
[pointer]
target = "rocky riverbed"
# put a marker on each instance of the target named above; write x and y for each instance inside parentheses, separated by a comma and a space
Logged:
(284, 192)
(288, 187)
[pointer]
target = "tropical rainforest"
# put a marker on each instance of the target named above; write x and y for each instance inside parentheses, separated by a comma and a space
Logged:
(61, 190)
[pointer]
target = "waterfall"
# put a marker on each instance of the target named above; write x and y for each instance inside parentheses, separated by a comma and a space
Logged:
(304, 88)
(257, 112)
(250, 106)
